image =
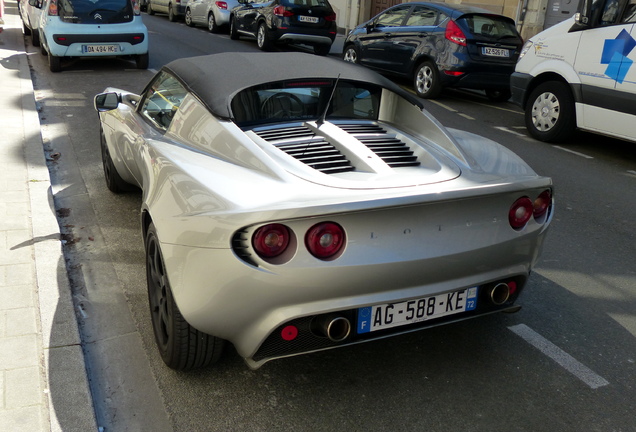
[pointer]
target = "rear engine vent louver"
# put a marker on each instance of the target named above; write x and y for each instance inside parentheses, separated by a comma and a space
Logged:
(302, 144)
(390, 149)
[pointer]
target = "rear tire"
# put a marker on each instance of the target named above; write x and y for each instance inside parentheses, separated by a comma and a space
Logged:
(550, 114)
(322, 50)
(142, 61)
(55, 63)
(212, 26)
(498, 95)
(149, 8)
(426, 80)
(171, 15)
(25, 29)
(234, 35)
(35, 38)
(262, 38)
(181, 346)
(188, 18)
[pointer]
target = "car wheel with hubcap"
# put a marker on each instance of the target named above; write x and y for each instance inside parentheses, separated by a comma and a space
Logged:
(181, 346)
(149, 8)
(350, 54)
(212, 27)
(262, 38)
(171, 16)
(550, 114)
(188, 18)
(426, 80)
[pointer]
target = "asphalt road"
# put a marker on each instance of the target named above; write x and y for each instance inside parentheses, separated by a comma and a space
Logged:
(566, 362)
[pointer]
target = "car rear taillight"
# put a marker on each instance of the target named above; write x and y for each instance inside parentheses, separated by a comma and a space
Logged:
(330, 17)
(221, 5)
(520, 213)
(325, 240)
(455, 34)
(271, 240)
(282, 11)
(53, 8)
(542, 205)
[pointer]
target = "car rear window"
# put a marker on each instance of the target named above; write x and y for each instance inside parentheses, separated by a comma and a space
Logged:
(489, 26)
(95, 11)
(307, 3)
(305, 100)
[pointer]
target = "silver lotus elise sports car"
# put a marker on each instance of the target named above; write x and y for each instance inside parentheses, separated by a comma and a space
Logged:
(293, 203)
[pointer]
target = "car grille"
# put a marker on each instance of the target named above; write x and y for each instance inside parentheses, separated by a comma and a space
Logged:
(315, 151)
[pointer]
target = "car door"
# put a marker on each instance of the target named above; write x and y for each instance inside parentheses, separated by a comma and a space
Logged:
(197, 9)
(604, 64)
(377, 43)
(248, 14)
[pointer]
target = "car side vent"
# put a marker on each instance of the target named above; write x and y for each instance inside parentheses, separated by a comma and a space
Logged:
(314, 151)
(390, 149)
(240, 242)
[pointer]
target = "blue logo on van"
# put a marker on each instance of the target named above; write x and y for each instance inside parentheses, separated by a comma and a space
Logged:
(615, 52)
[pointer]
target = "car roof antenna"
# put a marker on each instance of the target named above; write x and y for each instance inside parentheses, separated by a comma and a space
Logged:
(321, 120)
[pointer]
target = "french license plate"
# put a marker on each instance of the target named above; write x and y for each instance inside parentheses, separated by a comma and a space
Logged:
(307, 19)
(90, 49)
(495, 52)
(384, 316)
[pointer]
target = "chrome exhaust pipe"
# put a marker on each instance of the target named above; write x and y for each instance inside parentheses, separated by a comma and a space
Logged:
(336, 328)
(500, 294)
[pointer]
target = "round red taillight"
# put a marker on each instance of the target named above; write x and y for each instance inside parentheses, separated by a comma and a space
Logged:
(271, 240)
(542, 204)
(520, 213)
(325, 240)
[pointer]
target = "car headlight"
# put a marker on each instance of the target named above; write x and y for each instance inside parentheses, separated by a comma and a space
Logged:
(525, 49)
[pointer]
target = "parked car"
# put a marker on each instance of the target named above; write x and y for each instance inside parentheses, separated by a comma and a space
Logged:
(295, 209)
(93, 28)
(175, 9)
(30, 13)
(439, 45)
(212, 13)
(307, 22)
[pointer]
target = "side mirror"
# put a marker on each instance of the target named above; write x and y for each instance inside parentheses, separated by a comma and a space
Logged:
(36, 3)
(107, 101)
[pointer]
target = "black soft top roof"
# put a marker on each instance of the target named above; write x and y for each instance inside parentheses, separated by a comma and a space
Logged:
(216, 78)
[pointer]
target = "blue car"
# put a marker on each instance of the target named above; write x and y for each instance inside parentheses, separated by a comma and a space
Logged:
(439, 45)
(93, 28)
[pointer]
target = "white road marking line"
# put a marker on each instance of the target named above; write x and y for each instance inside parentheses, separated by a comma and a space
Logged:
(573, 152)
(564, 359)
(505, 129)
(154, 71)
(632, 172)
(442, 105)
(466, 116)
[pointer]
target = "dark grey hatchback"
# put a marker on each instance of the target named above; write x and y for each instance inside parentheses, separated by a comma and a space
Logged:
(439, 45)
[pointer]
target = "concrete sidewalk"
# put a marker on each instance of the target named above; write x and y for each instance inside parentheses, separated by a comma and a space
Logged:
(43, 379)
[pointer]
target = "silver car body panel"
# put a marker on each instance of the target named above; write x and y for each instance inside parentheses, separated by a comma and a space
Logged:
(411, 232)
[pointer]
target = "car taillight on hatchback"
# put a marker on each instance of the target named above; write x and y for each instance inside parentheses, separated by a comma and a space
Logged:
(221, 5)
(282, 11)
(455, 34)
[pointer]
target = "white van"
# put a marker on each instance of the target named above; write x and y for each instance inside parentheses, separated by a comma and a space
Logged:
(581, 74)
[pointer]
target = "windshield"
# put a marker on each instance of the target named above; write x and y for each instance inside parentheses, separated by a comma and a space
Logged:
(95, 11)
(306, 100)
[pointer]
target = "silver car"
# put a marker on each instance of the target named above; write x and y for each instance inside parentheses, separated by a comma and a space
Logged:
(288, 210)
(214, 14)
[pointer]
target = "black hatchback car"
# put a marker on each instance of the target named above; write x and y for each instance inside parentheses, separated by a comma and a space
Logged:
(439, 45)
(307, 22)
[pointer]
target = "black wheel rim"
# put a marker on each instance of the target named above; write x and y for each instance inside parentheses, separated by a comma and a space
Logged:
(158, 293)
